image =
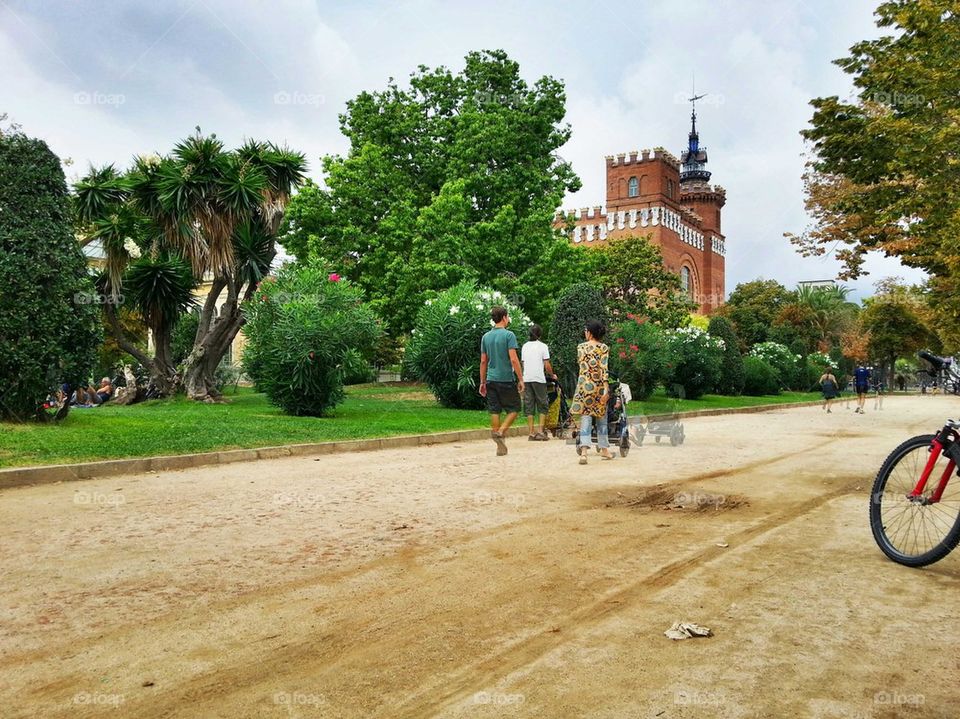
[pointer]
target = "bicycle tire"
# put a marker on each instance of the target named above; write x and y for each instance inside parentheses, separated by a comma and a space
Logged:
(931, 523)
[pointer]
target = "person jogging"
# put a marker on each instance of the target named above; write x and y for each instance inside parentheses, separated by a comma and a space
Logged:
(861, 383)
(828, 384)
(501, 378)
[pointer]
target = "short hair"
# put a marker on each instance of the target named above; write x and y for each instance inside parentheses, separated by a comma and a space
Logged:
(535, 333)
(497, 314)
(105, 379)
(596, 328)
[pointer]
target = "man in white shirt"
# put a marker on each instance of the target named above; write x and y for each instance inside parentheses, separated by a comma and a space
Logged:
(535, 356)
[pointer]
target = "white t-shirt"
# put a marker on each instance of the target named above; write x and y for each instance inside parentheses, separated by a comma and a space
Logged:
(532, 354)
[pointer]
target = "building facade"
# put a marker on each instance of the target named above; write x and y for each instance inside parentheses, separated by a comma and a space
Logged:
(670, 200)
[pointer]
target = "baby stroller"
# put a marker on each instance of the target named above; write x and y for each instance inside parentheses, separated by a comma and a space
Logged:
(558, 414)
(618, 425)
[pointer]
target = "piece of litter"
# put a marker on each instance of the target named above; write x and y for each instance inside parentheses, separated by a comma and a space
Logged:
(686, 630)
(722, 545)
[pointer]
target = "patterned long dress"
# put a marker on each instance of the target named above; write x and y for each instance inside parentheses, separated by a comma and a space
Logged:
(593, 359)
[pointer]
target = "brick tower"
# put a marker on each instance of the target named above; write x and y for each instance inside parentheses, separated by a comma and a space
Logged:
(671, 202)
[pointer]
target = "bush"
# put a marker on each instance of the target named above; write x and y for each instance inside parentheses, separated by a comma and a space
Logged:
(638, 356)
(49, 317)
(184, 333)
(759, 377)
(784, 361)
(578, 304)
(731, 371)
(357, 370)
(694, 364)
(444, 348)
(302, 328)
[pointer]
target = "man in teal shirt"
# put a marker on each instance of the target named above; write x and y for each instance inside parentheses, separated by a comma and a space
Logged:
(501, 378)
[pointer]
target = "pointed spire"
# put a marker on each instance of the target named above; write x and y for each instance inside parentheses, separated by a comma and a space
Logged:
(694, 159)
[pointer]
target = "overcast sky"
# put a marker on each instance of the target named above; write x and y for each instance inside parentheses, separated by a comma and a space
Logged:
(102, 81)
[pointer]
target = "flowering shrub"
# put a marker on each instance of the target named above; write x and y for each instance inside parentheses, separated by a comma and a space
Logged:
(760, 377)
(306, 330)
(731, 372)
(694, 362)
(784, 361)
(444, 348)
(638, 355)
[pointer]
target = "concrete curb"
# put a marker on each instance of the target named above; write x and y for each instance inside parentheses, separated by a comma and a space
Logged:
(49, 474)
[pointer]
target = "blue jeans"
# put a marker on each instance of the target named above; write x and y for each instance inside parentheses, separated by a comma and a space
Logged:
(586, 423)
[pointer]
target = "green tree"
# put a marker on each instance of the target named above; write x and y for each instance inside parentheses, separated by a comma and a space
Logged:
(895, 327)
(49, 324)
(731, 371)
(830, 313)
(578, 304)
(753, 307)
(452, 178)
(635, 281)
(201, 210)
(883, 175)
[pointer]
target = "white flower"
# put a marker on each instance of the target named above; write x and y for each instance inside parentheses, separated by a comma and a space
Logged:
(454, 309)
(428, 303)
(131, 247)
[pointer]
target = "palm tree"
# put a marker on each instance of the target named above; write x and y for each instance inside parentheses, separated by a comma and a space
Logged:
(832, 313)
(213, 211)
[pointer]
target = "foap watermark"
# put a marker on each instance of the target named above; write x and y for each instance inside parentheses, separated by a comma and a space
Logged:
(96, 298)
(295, 97)
(896, 99)
(499, 699)
(300, 501)
(99, 98)
(98, 699)
(898, 699)
(299, 699)
(498, 98)
(103, 499)
(700, 499)
(698, 697)
(514, 500)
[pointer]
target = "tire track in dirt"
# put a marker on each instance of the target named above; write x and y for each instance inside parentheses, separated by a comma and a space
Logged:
(486, 673)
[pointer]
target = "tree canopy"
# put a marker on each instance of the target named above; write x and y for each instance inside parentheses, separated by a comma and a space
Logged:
(884, 174)
(49, 323)
(453, 177)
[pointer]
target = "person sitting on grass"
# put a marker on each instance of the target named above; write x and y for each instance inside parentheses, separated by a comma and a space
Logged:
(536, 364)
(91, 397)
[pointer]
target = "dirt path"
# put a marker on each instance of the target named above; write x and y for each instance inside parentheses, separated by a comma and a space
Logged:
(446, 582)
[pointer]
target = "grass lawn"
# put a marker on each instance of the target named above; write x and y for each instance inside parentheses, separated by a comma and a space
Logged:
(180, 426)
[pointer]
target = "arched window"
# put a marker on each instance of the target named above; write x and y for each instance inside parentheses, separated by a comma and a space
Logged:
(685, 284)
(633, 187)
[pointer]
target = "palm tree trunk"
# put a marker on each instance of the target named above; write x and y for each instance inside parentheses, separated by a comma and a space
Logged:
(162, 374)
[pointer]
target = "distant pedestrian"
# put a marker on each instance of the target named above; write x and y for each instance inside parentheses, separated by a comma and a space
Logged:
(501, 378)
(593, 390)
(878, 395)
(828, 384)
(861, 382)
(535, 356)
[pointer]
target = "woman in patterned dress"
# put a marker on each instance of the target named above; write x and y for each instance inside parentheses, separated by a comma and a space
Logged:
(593, 390)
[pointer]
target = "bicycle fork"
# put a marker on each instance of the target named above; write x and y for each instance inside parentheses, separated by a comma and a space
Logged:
(943, 443)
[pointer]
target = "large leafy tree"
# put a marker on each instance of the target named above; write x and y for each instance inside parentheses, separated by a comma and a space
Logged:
(201, 212)
(884, 174)
(635, 281)
(893, 325)
(49, 326)
(753, 307)
(452, 178)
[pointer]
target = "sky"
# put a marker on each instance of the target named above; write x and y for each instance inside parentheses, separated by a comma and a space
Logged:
(102, 82)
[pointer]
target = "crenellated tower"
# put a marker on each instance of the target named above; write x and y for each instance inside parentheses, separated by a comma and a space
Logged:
(669, 200)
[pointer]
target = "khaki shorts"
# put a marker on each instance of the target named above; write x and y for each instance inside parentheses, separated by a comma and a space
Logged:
(535, 398)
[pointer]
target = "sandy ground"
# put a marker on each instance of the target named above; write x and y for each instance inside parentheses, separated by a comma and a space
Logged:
(445, 582)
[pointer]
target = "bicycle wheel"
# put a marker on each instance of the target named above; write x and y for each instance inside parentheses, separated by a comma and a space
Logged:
(913, 531)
